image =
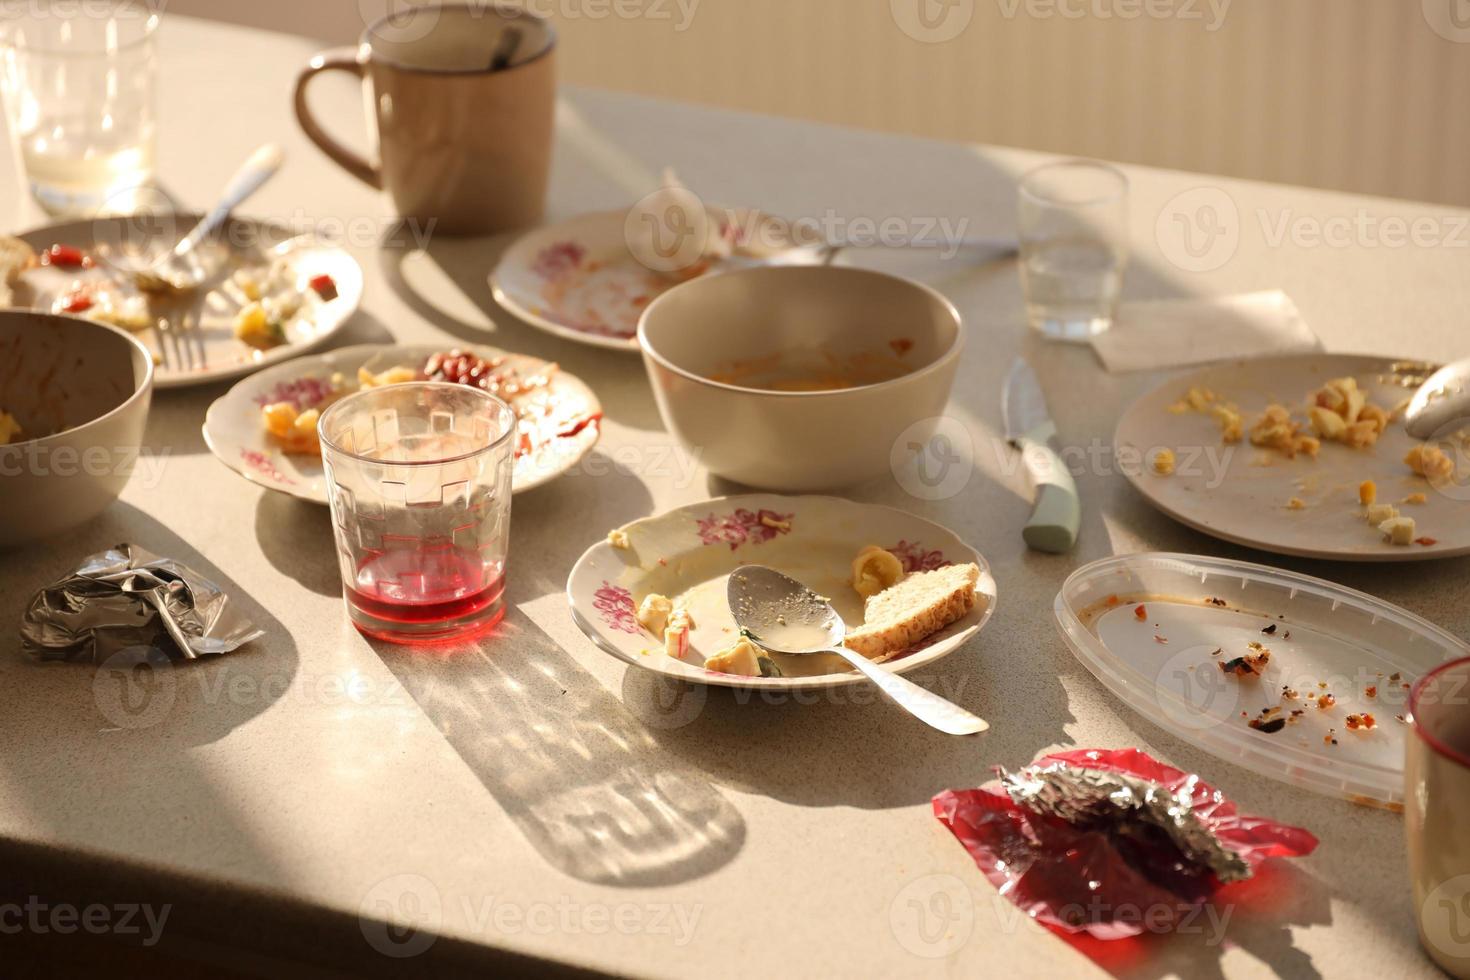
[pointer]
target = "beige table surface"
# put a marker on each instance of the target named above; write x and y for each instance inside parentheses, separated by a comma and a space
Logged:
(533, 796)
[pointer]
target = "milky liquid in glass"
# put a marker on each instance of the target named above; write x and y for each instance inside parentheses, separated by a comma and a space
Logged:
(82, 177)
(79, 86)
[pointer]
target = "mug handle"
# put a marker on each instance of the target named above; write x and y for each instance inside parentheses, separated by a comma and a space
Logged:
(337, 59)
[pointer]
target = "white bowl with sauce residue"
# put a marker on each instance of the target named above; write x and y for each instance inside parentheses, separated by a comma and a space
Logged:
(79, 391)
(799, 378)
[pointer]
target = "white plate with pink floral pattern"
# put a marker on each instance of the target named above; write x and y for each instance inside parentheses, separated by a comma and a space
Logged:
(560, 422)
(579, 280)
(582, 280)
(689, 553)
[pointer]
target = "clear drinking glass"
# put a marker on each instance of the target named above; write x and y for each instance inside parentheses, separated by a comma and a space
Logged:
(79, 82)
(420, 486)
(1074, 247)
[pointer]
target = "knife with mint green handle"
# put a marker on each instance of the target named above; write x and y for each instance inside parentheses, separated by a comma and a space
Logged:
(1056, 515)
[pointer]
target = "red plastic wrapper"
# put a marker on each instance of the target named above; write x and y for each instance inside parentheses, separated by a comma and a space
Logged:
(1129, 861)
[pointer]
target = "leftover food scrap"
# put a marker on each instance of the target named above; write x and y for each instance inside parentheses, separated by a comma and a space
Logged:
(544, 415)
(916, 608)
(1339, 412)
(874, 570)
(10, 430)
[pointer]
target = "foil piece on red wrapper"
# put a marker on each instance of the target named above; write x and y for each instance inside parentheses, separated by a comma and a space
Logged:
(1110, 842)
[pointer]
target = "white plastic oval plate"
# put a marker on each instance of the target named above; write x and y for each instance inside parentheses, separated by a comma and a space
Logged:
(691, 551)
(235, 434)
(1243, 494)
(1200, 613)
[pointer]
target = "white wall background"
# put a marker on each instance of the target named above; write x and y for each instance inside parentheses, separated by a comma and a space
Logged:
(1361, 95)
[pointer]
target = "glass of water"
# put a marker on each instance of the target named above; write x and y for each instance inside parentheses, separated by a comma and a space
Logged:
(1074, 247)
(79, 83)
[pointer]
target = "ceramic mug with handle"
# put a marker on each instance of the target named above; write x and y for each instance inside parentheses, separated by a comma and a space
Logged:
(1437, 800)
(461, 99)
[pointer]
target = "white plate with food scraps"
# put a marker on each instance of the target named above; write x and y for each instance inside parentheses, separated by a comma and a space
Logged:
(688, 554)
(560, 420)
(284, 294)
(1305, 506)
(1292, 677)
(582, 280)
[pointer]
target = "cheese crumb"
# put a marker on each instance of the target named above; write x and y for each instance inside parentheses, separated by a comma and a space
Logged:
(1399, 530)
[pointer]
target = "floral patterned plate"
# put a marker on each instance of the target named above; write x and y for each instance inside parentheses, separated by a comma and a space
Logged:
(565, 416)
(582, 280)
(690, 552)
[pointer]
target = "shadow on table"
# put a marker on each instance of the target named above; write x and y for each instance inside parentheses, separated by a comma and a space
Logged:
(580, 776)
(1255, 916)
(296, 538)
(95, 721)
(849, 746)
(599, 493)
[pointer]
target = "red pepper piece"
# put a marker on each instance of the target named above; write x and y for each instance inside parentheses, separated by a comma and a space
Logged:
(65, 257)
(324, 286)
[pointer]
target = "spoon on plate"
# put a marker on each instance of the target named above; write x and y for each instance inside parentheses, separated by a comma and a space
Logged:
(1442, 400)
(783, 616)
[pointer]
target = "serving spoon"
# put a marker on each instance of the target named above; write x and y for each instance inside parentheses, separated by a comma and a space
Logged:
(781, 615)
(1442, 400)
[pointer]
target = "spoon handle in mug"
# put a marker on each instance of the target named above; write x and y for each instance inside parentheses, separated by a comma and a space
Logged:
(926, 706)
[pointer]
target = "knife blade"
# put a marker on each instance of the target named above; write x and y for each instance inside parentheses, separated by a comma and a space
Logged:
(1056, 514)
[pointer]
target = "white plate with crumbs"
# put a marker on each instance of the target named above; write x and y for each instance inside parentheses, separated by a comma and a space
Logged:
(1304, 505)
(1292, 677)
(295, 292)
(687, 555)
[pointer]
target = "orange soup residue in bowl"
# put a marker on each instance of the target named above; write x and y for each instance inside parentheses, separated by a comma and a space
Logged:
(815, 370)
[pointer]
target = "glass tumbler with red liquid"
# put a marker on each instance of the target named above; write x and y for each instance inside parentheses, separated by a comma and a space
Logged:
(419, 477)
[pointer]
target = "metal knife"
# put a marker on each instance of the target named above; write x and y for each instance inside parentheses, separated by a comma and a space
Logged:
(1056, 515)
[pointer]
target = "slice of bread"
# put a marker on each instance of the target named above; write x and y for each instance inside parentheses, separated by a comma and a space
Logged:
(913, 610)
(15, 257)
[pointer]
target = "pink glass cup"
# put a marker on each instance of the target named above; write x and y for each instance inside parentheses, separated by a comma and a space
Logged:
(419, 477)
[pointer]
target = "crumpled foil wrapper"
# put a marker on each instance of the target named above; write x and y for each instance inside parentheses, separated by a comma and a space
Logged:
(127, 598)
(1111, 843)
(1098, 798)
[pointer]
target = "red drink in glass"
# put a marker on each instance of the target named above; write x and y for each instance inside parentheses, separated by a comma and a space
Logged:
(420, 483)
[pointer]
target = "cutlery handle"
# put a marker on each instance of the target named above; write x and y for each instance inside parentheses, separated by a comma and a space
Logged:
(928, 707)
(259, 168)
(1056, 517)
(337, 59)
(1001, 247)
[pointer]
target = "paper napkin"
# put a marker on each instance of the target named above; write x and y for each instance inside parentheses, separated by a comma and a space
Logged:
(1154, 334)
